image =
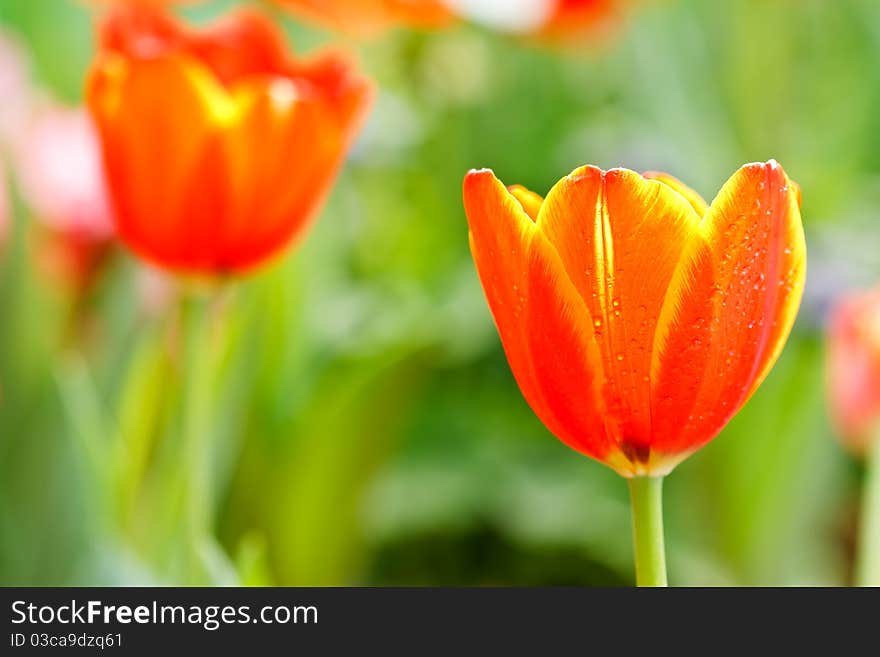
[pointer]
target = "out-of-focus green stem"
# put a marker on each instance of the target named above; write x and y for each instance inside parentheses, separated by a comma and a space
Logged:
(646, 495)
(83, 413)
(195, 320)
(868, 563)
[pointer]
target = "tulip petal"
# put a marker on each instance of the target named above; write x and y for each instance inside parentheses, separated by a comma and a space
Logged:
(543, 324)
(305, 135)
(369, 17)
(697, 203)
(735, 299)
(242, 44)
(529, 200)
(148, 182)
(236, 166)
(620, 238)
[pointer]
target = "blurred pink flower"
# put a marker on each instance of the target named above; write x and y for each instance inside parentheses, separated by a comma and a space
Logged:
(59, 171)
(54, 159)
(854, 367)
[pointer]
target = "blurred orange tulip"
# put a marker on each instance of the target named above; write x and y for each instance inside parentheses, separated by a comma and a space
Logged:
(545, 19)
(218, 147)
(636, 318)
(572, 17)
(854, 368)
(155, 3)
(366, 17)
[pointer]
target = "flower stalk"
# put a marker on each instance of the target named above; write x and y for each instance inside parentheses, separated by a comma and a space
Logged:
(646, 495)
(195, 363)
(868, 558)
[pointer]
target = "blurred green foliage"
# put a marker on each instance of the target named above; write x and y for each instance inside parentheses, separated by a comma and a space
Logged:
(366, 428)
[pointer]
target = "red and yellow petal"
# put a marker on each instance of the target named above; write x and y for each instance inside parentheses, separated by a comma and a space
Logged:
(738, 291)
(235, 167)
(368, 17)
(696, 201)
(529, 200)
(146, 180)
(138, 29)
(571, 18)
(620, 238)
(543, 323)
(284, 182)
(686, 306)
(241, 45)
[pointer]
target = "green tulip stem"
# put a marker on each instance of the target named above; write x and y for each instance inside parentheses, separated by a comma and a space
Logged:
(646, 494)
(195, 322)
(868, 556)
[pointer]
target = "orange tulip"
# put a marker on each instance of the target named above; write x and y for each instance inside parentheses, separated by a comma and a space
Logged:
(636, 318)
(572, 17)
(854, 368)
(218, 147)
(545, 19)
(140, 2)
(365, 17)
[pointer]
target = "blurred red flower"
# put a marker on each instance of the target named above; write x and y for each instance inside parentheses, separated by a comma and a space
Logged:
(218, 146)
(636, 318)
(366, 17)
(853, 371)
(545, 19)
(155, 3)
(570, 18)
